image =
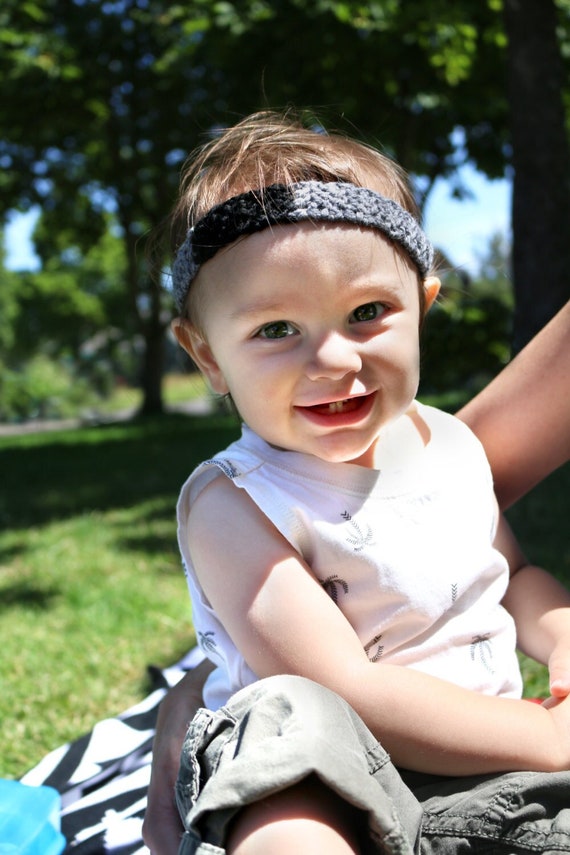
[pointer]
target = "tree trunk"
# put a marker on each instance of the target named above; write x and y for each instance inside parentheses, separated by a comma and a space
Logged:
(153, 359)
(152, 370)
(541, 161)
(146, 309)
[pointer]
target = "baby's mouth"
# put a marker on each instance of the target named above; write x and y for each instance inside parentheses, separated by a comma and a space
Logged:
(333, 408)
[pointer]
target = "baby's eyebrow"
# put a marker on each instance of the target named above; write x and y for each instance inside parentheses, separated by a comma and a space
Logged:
(357, 293)
(258, 307)
(382, 289)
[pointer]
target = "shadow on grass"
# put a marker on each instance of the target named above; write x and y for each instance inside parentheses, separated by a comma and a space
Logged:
(57, 475)
(9, 553)
(28, 597)
(150, 545)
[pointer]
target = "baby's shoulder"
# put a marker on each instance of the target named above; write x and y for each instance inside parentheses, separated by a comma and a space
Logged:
(214, 498)
(452, 443)
(442, 423)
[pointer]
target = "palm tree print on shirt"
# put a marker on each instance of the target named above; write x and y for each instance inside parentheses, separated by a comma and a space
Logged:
(482, 648)
(379, 650)
(359, 538)
(332, 585)
(207, 641)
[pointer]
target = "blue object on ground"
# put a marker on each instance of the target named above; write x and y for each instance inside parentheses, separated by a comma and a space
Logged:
(29, 820)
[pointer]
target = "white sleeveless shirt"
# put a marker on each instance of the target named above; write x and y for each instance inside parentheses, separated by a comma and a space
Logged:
(405, 553)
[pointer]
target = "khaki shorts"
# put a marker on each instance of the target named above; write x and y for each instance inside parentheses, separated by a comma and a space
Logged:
(282, 730)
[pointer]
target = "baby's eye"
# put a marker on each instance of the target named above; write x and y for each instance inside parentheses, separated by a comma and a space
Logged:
(367, 312)
(276, 329)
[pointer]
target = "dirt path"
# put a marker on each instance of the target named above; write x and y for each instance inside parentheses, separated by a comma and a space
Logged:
(200, 406)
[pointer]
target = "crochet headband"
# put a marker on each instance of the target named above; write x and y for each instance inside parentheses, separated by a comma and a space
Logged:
(332, 202)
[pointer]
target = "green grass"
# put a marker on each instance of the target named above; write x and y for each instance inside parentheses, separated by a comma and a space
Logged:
(91, 589)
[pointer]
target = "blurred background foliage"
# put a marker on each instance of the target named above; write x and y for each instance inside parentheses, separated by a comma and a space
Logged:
(103, 99)
(69, 353)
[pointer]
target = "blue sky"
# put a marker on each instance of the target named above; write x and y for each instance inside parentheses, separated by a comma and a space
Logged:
(17, 241)
(462, 229)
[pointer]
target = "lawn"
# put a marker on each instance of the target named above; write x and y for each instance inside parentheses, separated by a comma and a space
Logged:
(91, 590)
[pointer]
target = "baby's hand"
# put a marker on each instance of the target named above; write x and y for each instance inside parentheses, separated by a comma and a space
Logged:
(559, 668)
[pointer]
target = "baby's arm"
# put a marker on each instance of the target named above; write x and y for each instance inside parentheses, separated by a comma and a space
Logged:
(540, 606)
(284, 623)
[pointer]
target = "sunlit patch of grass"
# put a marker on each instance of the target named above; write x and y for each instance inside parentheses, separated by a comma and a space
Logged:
(91, 585)
(86, 605)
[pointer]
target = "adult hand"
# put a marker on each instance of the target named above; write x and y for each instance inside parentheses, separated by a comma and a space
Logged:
(162, 827)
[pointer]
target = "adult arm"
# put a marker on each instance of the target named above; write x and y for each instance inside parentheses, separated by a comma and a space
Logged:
(523, 416)
(162, 827)
(284, 623)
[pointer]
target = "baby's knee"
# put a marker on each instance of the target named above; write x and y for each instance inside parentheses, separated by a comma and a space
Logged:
(287, 697)
(288, 688)
(301, 715)
(306, 817)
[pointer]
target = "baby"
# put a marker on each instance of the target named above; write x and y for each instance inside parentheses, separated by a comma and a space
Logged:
(350, 573)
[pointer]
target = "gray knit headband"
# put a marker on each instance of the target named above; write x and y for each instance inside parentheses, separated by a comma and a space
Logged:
(333, 202)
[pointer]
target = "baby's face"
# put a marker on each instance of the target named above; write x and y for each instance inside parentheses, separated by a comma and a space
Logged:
(313, 330)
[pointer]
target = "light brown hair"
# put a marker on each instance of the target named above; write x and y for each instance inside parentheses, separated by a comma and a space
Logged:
(276, 148)
(269, 148)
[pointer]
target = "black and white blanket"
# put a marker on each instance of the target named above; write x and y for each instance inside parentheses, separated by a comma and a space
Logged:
(103, 777)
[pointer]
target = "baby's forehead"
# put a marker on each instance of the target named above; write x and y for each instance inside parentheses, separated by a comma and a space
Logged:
(308, 241)
(286, 257)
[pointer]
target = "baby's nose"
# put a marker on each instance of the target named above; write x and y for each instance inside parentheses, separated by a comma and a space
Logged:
(334, 356)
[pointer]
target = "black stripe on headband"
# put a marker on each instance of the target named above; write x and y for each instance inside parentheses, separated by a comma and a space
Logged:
(333, 202)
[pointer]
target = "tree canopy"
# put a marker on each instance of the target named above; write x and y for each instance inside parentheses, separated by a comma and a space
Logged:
(103, 99)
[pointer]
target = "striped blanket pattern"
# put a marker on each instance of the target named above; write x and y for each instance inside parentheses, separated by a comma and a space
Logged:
(103, 776)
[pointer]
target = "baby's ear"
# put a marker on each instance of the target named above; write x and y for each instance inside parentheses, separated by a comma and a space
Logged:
(431, 290)
(200, 352)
